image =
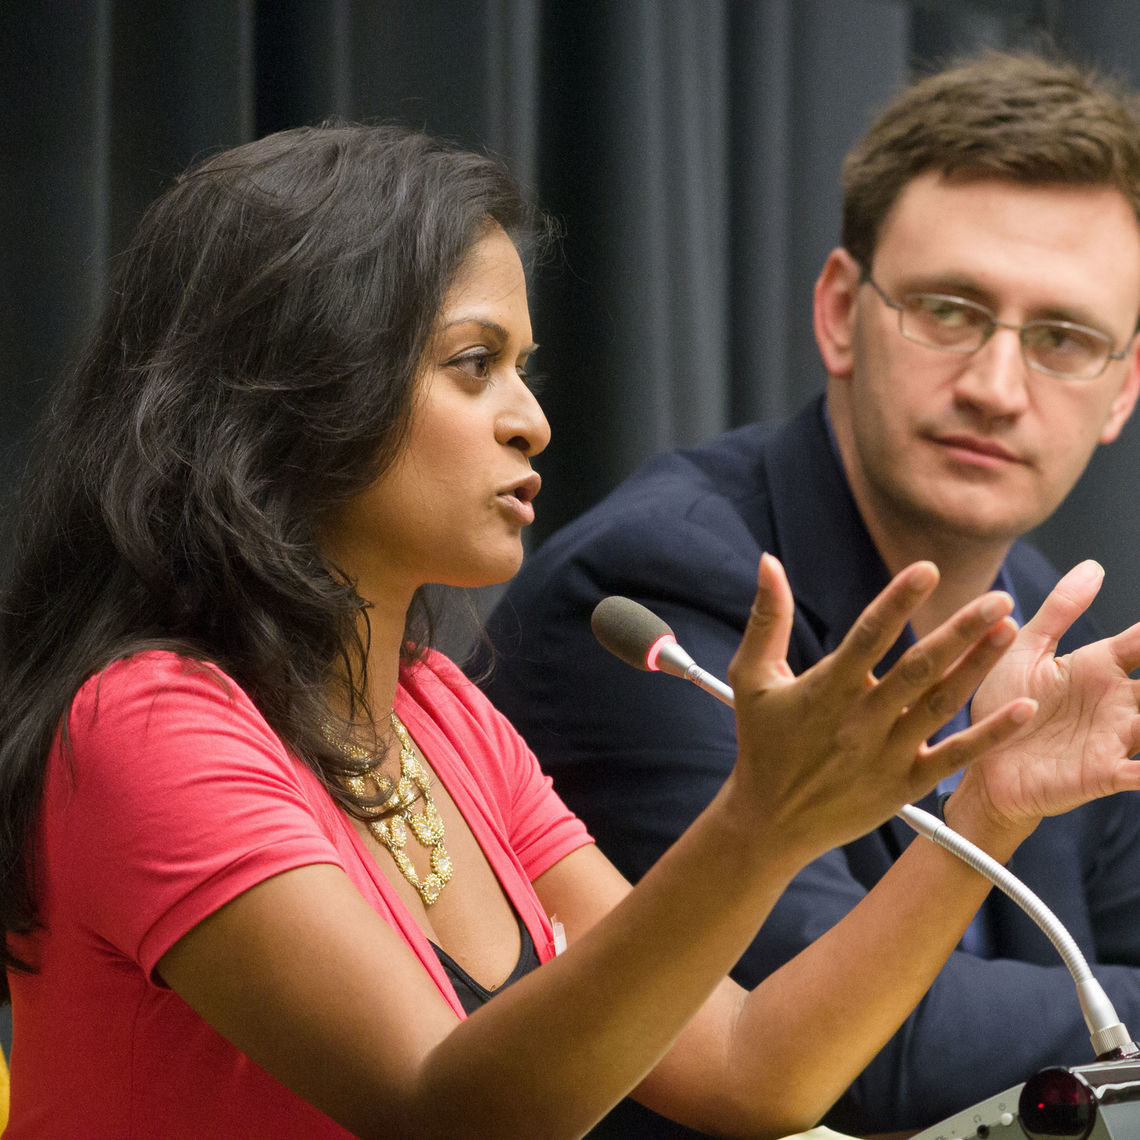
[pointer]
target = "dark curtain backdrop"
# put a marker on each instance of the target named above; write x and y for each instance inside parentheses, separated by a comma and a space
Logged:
(690, 147)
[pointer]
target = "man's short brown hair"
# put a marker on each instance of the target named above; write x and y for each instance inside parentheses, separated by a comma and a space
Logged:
(1020, 117)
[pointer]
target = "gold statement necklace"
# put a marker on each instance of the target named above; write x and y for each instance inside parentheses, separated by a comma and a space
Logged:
(395, 817)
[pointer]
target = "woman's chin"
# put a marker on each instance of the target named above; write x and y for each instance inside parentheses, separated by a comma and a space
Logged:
(492, 572)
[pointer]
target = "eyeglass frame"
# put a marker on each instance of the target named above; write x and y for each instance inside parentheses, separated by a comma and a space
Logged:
(994, 324)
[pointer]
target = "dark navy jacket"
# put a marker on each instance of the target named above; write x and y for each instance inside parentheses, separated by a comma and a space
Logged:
(638, 755)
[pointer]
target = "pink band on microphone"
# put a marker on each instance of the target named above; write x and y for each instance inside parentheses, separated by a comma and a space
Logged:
(655, 649)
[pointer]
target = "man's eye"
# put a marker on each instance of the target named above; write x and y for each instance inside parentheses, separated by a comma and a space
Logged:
(1069, 339)
(947, 313)
(1047, 336)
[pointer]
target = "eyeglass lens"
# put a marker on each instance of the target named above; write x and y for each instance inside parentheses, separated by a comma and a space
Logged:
(957, 325)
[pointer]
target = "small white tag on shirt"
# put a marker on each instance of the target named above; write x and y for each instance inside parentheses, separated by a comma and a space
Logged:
(559, 935)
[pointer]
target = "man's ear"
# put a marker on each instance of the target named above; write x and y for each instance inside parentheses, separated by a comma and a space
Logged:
(833, 311)
(1121, 407)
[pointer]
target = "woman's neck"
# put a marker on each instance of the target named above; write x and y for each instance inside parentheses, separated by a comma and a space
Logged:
(383, 619)
(385, 634)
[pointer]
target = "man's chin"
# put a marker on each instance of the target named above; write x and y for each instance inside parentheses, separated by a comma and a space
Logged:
(991, 527)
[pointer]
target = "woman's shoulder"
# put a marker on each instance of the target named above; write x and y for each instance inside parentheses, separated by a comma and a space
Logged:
(157, 687)
(154, 671)
(150, 664)
(159, 724)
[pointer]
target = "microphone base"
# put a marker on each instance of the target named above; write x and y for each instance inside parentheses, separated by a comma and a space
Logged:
(1109, 1091)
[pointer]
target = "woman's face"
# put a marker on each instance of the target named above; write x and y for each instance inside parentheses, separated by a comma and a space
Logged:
(451, 509)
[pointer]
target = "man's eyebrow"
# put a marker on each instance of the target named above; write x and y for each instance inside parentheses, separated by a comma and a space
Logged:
(969, 290)
(949, 284)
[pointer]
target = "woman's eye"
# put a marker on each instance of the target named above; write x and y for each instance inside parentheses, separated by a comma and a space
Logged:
(480, 365)
(475, 364)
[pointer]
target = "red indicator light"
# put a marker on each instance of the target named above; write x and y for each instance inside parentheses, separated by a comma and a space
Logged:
(655, 650)
(1056, 1104)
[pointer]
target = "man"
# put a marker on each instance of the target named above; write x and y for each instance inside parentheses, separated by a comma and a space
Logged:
(978, 327)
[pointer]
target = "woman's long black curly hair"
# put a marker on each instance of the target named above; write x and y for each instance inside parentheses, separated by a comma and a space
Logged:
(255, 365)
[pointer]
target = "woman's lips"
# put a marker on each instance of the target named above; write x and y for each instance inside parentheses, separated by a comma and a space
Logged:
(519, 499)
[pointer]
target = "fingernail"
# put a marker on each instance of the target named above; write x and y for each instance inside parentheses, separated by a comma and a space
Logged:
(922, 575)
(1002, 636)
(1022, 711)
(765, 575)
(996, 606)
(1091, 571)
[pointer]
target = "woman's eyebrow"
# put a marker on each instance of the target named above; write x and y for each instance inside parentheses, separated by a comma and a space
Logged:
(490, 327)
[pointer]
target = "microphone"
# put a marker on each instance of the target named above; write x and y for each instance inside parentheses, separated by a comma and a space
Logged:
(640, 638)
(1096, 1101)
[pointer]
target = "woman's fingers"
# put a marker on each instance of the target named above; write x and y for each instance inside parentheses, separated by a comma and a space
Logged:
(946, 669)
(931, 665)
(761, 658)
(962, 748)
(937, 674)
(842, 749)
(879, 625)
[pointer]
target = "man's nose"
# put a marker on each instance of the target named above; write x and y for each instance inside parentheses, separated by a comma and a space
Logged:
(996, 378)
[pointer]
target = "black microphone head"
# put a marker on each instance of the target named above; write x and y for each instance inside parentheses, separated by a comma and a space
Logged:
(627, 629)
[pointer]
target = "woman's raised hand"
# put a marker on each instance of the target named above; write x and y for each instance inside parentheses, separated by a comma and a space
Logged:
(834, 752)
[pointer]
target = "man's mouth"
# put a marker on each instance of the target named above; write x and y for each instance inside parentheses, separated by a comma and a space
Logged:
(977, 448)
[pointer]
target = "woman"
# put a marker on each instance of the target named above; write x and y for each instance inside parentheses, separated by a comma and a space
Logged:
(264, 850)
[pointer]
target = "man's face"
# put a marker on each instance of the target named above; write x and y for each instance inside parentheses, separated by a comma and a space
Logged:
(980, 446)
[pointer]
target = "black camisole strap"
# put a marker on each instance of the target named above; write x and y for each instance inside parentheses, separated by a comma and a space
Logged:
(470, 993)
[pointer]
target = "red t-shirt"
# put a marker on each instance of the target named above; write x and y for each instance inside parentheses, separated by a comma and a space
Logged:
(179, 797)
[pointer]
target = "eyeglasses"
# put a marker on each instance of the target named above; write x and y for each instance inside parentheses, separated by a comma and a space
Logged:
(953, 324)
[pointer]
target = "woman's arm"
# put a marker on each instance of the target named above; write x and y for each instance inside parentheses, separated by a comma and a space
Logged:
(778, 1057)
(772, 1061)
(300, 974)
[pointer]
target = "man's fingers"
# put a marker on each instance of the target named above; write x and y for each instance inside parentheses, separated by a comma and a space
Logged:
(1068, 599)
(1126, 648)
(1126, 777)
